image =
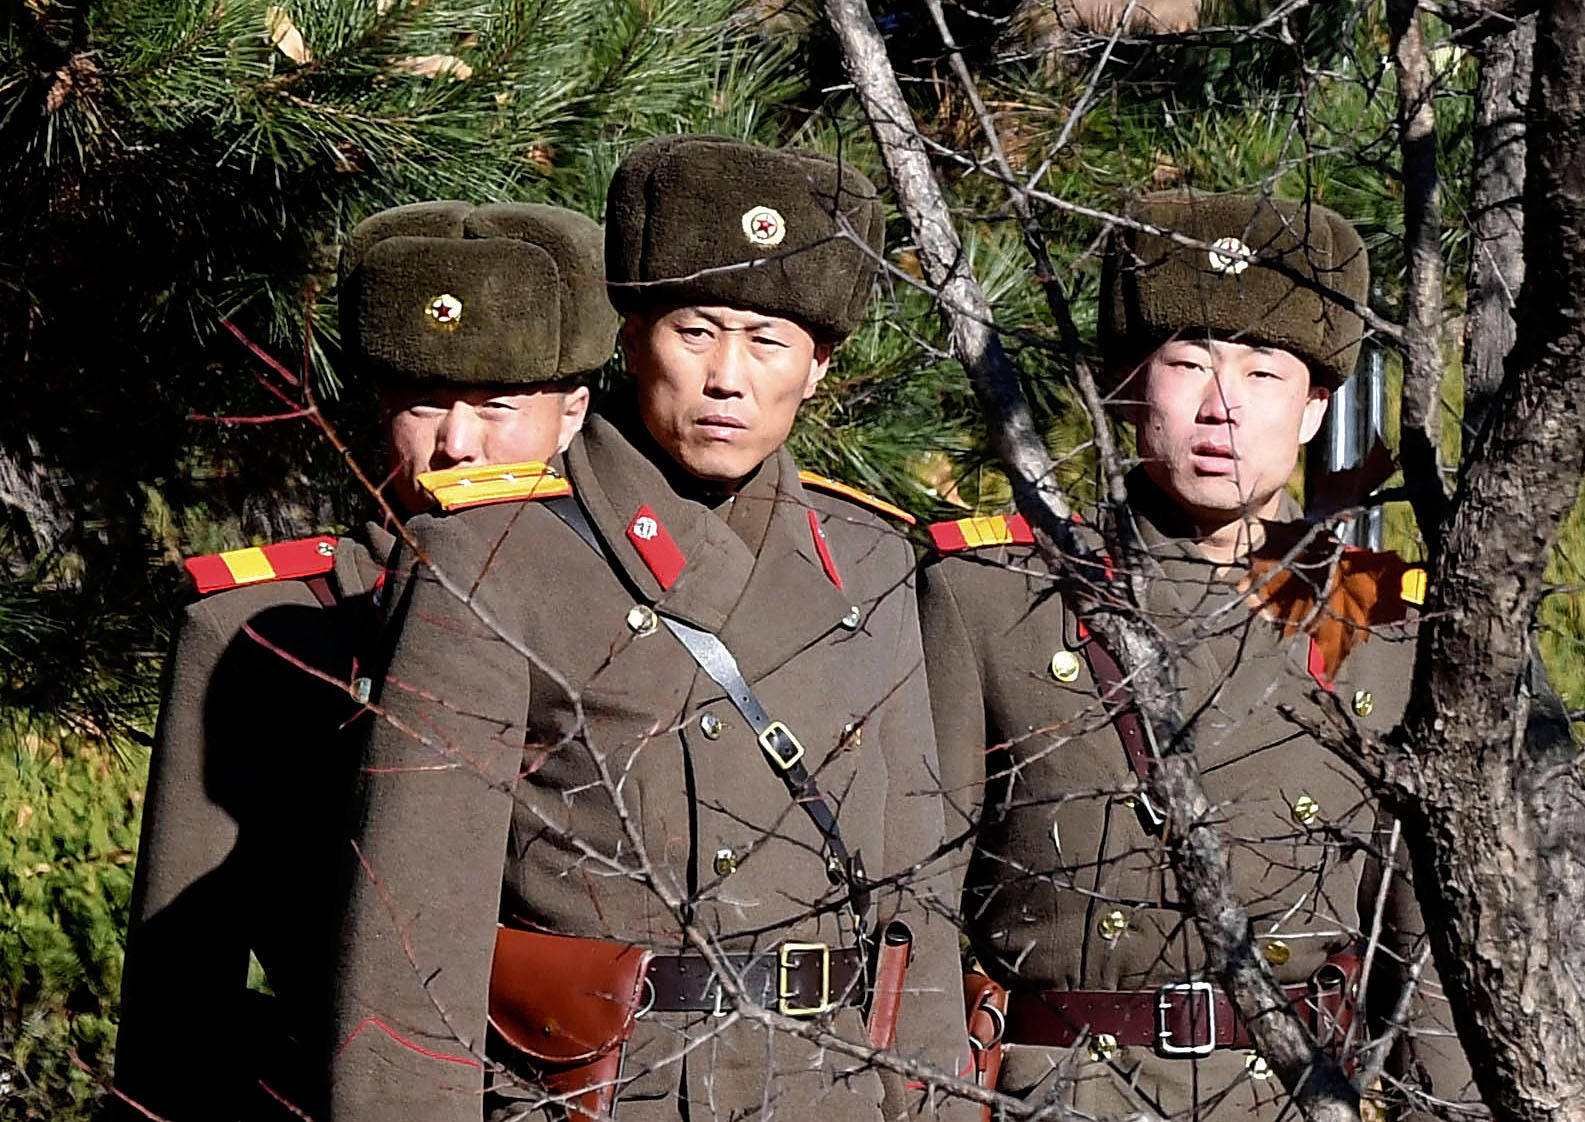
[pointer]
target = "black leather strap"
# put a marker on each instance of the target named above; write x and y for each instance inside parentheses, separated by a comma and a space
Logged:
(781, 748)
(801, 978)
(1130, 729)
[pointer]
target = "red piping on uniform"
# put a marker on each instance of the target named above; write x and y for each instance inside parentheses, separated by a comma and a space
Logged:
(465, 1061)
(824, 550)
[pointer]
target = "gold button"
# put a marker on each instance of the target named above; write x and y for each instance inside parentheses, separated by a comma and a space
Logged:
(1112, 925)
(362, 690)
(1306, 810)
(711, 726)
(854, 617)
(1065, 666)
(852, 736)
(1256, 1065)
(642, 619)
(1363, 703)
(1103, 1046)
(1277, 952)
(725, 862)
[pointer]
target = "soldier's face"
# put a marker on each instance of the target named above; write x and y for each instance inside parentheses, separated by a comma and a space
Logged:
(1220, 426)
(434, 428)
(718, 388)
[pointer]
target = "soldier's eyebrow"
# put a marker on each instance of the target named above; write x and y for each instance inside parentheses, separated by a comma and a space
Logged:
(752, 325)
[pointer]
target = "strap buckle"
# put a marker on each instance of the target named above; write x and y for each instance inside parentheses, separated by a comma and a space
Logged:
(1165, 1004)
(781, 745)
(787, 995)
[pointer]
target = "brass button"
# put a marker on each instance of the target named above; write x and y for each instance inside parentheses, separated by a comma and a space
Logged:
(1305, 810)
(725, 862)
(326, 549)
(852, 736)
(711, 726)
(362, 690)
(1103, 1046)
(1065, 666)
(1363, 703)
(1277, 952)
(642, 619)
(1256, 1065)
(1112, 925)
(852, 620)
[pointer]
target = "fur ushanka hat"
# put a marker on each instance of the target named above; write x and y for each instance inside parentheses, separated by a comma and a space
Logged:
(1154, 288)
(681, 207)
(505, 294)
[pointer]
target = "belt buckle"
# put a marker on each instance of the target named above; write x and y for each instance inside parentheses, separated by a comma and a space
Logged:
(1165, 1004)
(785, 1004)
(774, 732)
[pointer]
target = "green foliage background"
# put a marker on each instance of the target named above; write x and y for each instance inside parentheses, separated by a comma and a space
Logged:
(172, 165)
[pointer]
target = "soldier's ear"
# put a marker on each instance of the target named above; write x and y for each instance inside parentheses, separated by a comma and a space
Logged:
(819, 367)
(1314, 413)
(574, 410)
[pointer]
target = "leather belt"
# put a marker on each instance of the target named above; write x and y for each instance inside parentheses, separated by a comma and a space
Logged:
(1177, 1020)
(797, 980)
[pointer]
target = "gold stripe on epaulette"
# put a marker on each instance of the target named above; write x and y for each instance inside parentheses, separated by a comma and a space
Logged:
(1412, 588)
(456, 488)
(989, 529)
(248, 566)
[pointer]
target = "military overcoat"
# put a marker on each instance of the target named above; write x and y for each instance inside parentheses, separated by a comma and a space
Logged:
(640, 785)
(241, 839)
(1066, 888)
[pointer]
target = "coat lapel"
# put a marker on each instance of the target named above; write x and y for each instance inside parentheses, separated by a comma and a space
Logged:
(618, 486)
(790, 602)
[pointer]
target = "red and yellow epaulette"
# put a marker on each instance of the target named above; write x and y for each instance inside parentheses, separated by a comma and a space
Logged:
(835, 487)
(977, 533)
(306, 557)
(460, 488)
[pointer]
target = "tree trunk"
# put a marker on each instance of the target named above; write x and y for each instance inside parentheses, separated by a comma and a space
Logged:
(1496, 218)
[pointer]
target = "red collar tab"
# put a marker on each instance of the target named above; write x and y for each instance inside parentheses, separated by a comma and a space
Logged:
(836, 487)
(656, 546)
(824, 550)
(460, 488)
(294, 560)
(979, 533)
(1318, 666)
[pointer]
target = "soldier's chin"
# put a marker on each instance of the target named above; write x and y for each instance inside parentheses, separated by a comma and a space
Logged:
(715, 463)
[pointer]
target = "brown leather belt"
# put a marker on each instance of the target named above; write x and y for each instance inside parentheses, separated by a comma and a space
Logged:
(796, 979)
(1177, 1020)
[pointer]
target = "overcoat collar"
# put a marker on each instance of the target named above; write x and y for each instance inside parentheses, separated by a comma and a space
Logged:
(766, 603)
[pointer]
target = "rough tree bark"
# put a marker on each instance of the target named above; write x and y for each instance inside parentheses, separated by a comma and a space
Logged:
(1496, 213)
(1197, 853)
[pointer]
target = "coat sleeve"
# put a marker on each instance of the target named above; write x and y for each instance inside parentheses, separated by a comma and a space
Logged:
(931, 1023)
(431, 814)
(957, 702)
(185, 964)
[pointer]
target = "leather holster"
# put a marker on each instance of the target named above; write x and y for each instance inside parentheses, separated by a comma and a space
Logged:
(986, 1004)
(569, 1005)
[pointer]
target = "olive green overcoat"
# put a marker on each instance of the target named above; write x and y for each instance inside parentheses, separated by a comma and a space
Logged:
(1067, 890)
(241, 840)
(620, 802)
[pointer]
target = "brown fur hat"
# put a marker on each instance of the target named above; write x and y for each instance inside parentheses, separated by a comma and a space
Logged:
(1154, 289)
(505, 294)
(681, 206)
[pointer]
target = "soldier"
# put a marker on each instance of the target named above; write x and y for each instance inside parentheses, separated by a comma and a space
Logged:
(443, 308)
(1229, 349)
(672, 712)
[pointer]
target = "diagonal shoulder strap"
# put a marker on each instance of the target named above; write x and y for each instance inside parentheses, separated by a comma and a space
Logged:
(1125, 719)
(782, 749)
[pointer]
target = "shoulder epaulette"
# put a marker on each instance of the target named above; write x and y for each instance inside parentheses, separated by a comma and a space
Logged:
(460, 488)
(1412, 587)
(835, 487)
(294, 560)
(977, 533)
